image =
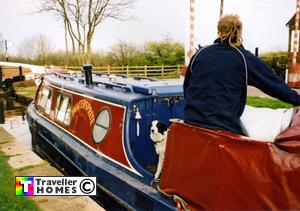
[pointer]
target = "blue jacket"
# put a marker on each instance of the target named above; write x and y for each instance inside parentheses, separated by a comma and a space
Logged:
(215, 86)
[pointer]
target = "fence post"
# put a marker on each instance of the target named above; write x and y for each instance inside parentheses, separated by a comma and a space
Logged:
(145, 70)
(127, 71)
(21, 76)
(10, 103)
(108, 69)
(178, 70)
(2, 118)
(162, 71)
(20, 71)
(1, 82)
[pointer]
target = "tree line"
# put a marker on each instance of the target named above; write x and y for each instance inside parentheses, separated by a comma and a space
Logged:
(40, 50)
(277, 60)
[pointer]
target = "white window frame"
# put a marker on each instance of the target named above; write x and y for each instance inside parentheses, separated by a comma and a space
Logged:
(63, 109)
(45, 99)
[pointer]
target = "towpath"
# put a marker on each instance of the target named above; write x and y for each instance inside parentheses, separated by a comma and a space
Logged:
(252, 91)
(26, 163)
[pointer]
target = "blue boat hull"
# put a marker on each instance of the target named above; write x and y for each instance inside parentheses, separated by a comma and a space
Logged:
(118, 188)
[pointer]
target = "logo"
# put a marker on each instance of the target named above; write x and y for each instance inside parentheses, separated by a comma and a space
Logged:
(56, 186)
(24, 186)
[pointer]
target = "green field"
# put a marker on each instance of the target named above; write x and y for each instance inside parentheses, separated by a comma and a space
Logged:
(267, 102)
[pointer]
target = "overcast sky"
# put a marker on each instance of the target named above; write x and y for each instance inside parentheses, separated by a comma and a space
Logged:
(264, 23)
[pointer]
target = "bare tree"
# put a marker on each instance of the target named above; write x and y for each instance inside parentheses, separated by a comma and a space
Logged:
(123, 53)
(82, 17)
(35, 48)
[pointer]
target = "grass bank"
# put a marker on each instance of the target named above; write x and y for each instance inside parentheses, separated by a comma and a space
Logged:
(266, 102)
(8, 199)
(28, 92)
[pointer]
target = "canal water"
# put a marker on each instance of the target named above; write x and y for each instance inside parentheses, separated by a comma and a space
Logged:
(15, 120)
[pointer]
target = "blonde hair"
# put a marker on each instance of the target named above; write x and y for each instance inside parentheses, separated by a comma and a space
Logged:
(230, 30)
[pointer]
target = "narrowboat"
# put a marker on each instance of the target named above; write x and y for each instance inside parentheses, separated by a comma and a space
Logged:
(99, 125)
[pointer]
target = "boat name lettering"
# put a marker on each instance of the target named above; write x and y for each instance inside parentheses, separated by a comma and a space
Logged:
(84, 104)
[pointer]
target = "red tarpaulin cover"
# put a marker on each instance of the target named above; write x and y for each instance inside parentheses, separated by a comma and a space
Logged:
(218, 170)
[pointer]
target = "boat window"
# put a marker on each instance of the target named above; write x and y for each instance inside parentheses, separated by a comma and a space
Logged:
(63, 109)
(101, 125)
(44, 100)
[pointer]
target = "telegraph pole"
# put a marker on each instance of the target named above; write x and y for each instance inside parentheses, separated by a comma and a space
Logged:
(221, 8)
(6, 50)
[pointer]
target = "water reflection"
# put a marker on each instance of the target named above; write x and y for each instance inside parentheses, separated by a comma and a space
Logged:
(12, 119)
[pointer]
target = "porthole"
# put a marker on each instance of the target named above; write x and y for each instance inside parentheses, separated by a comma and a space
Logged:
(101, 125)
